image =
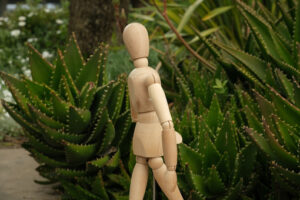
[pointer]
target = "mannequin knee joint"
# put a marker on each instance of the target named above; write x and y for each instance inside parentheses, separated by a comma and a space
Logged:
(141, 160)
(155, 163)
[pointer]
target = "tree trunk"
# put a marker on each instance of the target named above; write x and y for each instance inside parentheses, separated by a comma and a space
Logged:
(2, 6)
(121, 13)
(92, 21)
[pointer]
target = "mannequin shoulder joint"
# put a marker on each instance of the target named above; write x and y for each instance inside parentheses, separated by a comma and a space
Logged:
(152, 78)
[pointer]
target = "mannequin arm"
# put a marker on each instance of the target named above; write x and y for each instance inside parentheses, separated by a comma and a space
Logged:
(161, 107)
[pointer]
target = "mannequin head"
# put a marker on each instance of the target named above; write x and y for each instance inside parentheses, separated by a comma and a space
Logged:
(135, 37)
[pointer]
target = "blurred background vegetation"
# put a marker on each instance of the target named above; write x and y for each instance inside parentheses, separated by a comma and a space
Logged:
(47, 26)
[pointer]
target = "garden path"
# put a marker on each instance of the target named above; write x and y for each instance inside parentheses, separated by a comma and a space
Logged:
(17, 175)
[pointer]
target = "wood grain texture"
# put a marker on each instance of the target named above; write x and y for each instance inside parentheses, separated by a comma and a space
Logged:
(154, 135)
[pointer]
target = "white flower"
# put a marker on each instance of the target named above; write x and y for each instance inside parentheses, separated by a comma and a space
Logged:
(23, 60)
(27, 73)
(57, 10)
(58, 32)
(22, 18)
(15, 32)
(6, 114)
(46, 54)
(5, 19)
(30, 14)
(22, 23)
(47, 10)
(30, 40)
(7, 95)
(10, 62)
(59, 21)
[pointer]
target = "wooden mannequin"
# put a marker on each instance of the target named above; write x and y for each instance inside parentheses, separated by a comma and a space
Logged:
(154, 134)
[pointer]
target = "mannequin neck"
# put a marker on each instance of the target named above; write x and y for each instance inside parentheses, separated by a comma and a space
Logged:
(140, 62)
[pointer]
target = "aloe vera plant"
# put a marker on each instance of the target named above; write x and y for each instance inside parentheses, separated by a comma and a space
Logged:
(75, 122)
(270, 63)
(219, 163)
(278, 137)
(216, 161)
(265, 61)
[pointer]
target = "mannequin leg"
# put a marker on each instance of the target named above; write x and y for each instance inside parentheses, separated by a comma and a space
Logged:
(167, 180)
(139, 179)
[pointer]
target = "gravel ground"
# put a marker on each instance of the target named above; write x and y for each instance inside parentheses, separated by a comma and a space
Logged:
(17, 175)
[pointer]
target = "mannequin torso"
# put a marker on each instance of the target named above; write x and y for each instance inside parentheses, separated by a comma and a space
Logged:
(147, 140)
(138, 90)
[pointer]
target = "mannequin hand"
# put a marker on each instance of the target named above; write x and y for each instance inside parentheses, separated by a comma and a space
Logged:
(169, 145)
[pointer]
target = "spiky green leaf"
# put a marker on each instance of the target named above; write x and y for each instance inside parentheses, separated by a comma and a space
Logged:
(190, 157)
(79, 119)
(73, 57)
(79, 154)
(108, 137)
(41, 69)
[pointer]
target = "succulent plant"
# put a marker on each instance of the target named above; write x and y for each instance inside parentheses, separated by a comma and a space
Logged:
(272, 54)
(270, 63)
(262, 58)
(277, 72)
(278, 137)
(219, 163)
(75, 122)
(215, 160)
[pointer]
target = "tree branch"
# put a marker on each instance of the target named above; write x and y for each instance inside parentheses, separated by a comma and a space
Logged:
(180, 38)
